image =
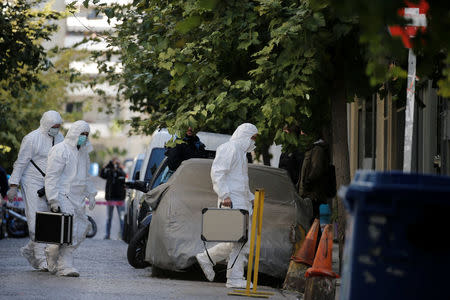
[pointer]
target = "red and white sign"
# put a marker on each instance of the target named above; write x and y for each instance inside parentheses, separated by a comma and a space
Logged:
(416, 15)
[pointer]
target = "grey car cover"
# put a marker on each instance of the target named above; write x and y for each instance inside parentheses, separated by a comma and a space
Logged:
(174, 235)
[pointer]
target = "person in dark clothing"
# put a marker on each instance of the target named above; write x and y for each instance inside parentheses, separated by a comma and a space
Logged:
(314, 175)
(291, 159)
(114, 191)
(3, 182)
(191, 147)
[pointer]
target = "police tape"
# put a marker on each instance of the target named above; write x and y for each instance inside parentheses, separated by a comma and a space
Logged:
(108, 203)
(17, 199)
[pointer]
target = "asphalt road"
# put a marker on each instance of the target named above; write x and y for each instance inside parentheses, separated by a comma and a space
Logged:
(104, 274)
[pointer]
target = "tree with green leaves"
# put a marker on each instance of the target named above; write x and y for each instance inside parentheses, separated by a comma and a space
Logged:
(30, 83)
(213, 64)
(23, 27)
(22, 113)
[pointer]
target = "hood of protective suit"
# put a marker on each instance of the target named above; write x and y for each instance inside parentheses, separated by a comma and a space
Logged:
(50, 118)
(74, 132)
(242, 135)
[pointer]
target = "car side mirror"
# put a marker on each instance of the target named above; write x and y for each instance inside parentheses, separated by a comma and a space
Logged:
(142, 186)
(136, 175)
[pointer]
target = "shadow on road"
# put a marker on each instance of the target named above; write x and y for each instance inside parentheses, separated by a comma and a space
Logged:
(194, 273)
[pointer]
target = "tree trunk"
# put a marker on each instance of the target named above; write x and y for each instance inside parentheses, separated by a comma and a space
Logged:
(266, 157)
(340, 156)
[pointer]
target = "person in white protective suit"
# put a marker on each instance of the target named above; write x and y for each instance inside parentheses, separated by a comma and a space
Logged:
(67, 185)
(229, 174)
(35, 147)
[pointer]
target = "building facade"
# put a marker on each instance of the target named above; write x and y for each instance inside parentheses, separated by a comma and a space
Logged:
(83, 101)
(377, 128)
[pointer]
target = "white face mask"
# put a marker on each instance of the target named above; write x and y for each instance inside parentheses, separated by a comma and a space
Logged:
(53, 131)
(252, 146)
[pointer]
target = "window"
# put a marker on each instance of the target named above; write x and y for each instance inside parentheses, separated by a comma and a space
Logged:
(137, 168)
(360, 137)
(163, 176)
(400, 108)
(94, 14)
(400, 139)
(72, 107)
(156, 157)
(367, 133)
(370, 128)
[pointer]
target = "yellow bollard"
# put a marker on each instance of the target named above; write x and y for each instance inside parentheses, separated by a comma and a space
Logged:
(256, 229)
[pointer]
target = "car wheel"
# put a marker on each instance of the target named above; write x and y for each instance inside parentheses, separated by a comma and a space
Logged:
(132, 219)
(136, 249)
(91, 233)
(126, 229)
(16, 228)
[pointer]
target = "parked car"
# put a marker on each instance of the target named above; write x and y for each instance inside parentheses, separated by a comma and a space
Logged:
(154, 155)
(128, 165)
(133, 174)
(138, 242)
(175, 229)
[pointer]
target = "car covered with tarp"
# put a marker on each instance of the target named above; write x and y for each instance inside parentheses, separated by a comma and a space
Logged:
(175, 229)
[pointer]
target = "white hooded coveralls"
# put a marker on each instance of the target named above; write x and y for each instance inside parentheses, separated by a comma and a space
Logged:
(35, 146)
(229, 174)
(68, 183)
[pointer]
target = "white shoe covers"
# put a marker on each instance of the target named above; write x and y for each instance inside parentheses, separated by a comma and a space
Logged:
(237, 283)
(29, 255)
(206, 266)
(34, 253)
(68, 272)
(52, 253)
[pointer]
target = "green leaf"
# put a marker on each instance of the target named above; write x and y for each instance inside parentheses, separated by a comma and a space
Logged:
(243, 85)
(210, 107)
(319, 18)
(220, 97)
(180, 68)
(309, 53)
(207, 4)
(165, 65)
(109, 12)
(188, 24)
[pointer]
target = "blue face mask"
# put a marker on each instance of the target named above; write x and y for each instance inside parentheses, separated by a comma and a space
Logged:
(82, 139)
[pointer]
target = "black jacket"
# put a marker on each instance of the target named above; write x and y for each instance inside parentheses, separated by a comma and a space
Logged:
(115, 182)
(313, 181)
(292, 162)
(190, 148)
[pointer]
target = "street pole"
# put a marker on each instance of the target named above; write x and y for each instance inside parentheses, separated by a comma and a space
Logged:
(409, 113)
(416, 14)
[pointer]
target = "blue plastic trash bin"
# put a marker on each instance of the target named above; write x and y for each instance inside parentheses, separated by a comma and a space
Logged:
(397, 243)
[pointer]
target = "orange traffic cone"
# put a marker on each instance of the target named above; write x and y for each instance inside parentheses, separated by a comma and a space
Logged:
(306, 253)
(323, 261)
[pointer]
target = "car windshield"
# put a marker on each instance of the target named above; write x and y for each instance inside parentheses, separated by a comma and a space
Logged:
(155, 159)
(163, 176)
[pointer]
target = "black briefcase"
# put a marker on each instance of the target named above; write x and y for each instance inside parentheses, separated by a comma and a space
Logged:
(53, 228)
